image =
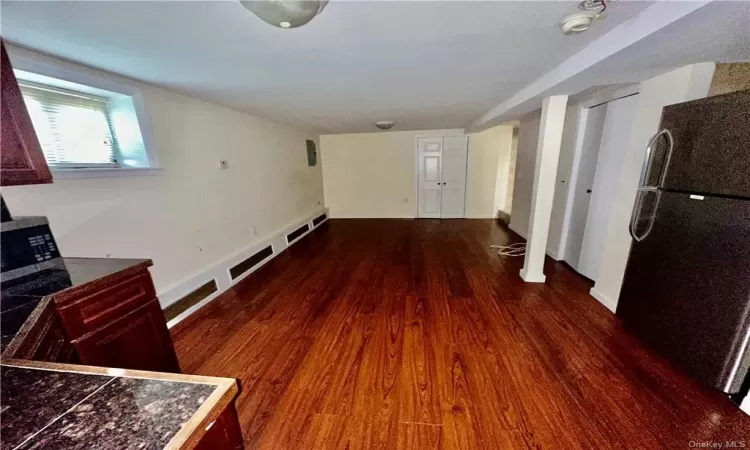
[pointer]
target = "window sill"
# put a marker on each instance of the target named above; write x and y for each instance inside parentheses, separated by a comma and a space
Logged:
(66, 174)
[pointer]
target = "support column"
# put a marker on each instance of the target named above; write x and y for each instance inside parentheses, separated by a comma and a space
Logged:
(543, 191)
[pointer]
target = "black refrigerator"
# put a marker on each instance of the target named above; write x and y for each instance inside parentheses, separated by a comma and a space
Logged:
(686, 290)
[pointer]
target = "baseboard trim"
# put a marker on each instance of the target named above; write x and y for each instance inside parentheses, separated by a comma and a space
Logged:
(220, 270)
(374, 217)
(603, 299)
(517, 231)
(476, 216)
(175, 309)
(553, 255)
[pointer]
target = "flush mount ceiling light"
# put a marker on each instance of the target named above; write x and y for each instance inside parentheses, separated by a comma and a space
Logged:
(285, 13)
(591, 10)
(385, 124)
(578, 22)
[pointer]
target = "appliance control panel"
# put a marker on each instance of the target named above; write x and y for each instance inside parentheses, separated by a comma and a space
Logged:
(27, 246)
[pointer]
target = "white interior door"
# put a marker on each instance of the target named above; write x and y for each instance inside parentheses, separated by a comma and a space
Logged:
(430, 154)
(455, 151)
(617, 126)
(584, 183)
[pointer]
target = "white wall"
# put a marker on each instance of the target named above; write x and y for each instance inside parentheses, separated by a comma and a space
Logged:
(528, 137)
(372, 175)
(487, 171)
(684, 84)
(190, 215)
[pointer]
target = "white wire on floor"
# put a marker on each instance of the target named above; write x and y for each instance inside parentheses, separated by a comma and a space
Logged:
(517, 249)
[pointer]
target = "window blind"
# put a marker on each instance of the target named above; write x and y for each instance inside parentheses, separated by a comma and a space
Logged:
(74, 129)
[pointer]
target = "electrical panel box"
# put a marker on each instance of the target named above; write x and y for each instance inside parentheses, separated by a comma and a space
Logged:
(312, 154)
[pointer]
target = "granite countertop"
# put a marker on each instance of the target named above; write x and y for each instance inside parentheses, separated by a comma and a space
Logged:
(20, 297)
(61, 406)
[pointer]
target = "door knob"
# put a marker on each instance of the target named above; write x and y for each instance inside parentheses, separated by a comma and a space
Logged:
(588, 191)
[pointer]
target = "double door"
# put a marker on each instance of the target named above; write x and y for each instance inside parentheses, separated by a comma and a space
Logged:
(442, 176)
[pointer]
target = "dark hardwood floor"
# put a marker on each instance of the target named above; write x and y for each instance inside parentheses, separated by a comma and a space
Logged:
(414, 334)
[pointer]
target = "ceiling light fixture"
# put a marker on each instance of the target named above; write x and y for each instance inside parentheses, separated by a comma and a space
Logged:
(285, 13)
(578, 22)
(598, 5)
(385, 124)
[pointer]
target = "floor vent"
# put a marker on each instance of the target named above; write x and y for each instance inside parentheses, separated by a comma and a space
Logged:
(250, 262)
(183, 304)
(320, 218)
(297, 233)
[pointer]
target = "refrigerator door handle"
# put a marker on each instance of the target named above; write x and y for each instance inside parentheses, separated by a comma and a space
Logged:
(668, 159)
(634, 216)
(646, 167)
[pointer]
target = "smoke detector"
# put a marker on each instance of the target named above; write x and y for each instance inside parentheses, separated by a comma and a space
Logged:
(578, 22)
(385, 124)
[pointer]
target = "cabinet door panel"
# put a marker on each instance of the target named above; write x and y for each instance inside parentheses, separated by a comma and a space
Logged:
(89, 311)
(224, 433)
(138, 340)
(21, 157)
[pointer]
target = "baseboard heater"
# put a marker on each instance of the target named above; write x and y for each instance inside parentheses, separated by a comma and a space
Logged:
(250, 262)
(316, 221)
(297, 233)
(193, 298)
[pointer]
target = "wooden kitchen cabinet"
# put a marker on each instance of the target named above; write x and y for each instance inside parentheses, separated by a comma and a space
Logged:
(224, 433)
(108, 316)
(115, 319)
(21, 157)
(137, 340)
(44, 338)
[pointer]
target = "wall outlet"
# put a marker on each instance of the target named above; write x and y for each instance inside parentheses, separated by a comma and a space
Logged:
(254, 230)
(223, 164)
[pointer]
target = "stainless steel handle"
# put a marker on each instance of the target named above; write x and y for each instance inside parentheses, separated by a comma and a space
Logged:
(637, 206)
(646, 167)
(668, 159)
(634, 216)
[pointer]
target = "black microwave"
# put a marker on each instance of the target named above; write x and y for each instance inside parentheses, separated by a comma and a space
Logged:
(27, 246)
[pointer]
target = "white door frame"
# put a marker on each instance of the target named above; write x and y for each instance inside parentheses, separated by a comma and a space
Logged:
(605, 95)
(446, 133)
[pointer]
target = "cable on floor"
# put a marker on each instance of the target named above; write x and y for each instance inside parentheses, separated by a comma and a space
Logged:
(517, 249)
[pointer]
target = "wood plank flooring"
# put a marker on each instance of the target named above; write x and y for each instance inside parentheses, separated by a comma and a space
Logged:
(413, 334)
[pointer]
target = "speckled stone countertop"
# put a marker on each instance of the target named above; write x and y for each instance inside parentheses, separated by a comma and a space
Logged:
(79, 407)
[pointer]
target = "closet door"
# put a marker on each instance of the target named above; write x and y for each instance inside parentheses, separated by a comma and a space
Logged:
(584, 184)
(617, 125)
(454, 176)
(430, 171)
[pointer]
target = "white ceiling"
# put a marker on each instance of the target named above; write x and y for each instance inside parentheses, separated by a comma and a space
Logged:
(423, 64)
(718, 31)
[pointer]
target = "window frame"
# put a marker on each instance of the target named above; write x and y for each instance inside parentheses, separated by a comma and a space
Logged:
(115, 148)
(46, 70)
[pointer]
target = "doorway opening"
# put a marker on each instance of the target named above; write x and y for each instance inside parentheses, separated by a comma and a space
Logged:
(603, 133)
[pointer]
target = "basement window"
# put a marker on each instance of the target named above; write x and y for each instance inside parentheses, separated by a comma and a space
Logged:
(84, 130)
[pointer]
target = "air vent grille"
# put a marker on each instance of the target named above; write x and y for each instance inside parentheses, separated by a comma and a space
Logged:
(250, 262)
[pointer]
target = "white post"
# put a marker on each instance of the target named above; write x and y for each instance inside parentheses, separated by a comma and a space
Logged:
(543, 191)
